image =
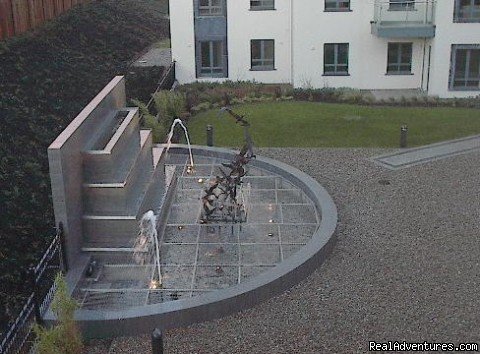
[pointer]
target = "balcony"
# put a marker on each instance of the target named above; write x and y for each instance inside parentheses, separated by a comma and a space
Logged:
(404, 19)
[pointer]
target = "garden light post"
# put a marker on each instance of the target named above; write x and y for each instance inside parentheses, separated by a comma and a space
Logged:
(157, 341)
(403, 136)
(209, 135)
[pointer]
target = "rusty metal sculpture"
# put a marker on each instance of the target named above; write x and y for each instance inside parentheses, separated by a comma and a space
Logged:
(221, 200)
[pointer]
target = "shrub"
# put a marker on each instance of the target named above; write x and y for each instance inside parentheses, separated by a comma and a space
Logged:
(64, 337)
(170, 105)
(149, 121)
(200, 93)
(205, 95)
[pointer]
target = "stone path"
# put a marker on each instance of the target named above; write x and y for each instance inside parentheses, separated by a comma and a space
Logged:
(155, 57)
(405, 267)
(428, 153)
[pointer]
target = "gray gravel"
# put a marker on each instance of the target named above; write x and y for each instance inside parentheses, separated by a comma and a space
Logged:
(406, 265)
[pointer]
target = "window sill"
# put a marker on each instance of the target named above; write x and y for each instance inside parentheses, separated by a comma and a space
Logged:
(254, 69)
(466, 20)
(400, 73)
(338, 10)
(336, 74)
(402, 10)
(209, 16)
(211, 76)
(464, 89)
(264, 9)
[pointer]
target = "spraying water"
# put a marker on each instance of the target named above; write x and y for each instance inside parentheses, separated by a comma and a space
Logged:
(146, 243)
(170, 135)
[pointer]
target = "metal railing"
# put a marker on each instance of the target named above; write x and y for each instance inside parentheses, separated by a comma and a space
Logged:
(404, 12)
(166, 82)
(19, 336)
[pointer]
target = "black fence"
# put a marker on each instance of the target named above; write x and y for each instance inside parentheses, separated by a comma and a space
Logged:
(19, 336)
(166, 83)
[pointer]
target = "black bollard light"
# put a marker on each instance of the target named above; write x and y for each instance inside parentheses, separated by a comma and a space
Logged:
(209, 135)
(403, 136)
(157, 341)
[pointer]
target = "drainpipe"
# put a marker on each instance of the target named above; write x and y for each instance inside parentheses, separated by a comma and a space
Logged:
(291, 43)
(423, 62)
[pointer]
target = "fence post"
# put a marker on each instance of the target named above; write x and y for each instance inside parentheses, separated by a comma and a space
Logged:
(63, 250)
(157, 342)
(32, 274)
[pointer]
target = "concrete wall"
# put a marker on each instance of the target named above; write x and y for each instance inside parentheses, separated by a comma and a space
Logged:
(305, 25)
(65, 160)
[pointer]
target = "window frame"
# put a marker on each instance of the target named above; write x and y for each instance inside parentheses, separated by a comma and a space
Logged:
(453, 62)
(457, 10)
(401, 5)
(337, 7)
(264, 5)
(212, 69)
(210, 9)
(335, 63)
(399, 54)
(262, 53)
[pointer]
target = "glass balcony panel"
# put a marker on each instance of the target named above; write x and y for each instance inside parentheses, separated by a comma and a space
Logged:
(404, 18)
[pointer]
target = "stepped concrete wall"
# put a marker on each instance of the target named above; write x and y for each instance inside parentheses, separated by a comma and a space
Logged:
(65, 159)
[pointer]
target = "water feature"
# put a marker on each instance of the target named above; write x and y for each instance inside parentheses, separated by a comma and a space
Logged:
(170, 136)
(142, 223)
(147, 249)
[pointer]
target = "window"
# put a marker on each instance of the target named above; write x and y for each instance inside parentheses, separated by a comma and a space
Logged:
(399, 60)
(337, 5)
(335, 59)
(467, 11)
(263, 54)
(465, 67)
(210, 7)
(262, 4)
(211, 59)
(401, 5)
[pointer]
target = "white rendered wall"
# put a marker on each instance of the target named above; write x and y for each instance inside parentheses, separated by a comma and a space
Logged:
(183, 39)
(449, 33)
(244, 25)
(310, 27)
(367, 53)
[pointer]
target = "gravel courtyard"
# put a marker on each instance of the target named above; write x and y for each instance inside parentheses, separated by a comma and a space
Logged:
(406, 265)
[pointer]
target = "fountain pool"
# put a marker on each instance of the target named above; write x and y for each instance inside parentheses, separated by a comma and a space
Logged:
(210, 270)
(181, 266)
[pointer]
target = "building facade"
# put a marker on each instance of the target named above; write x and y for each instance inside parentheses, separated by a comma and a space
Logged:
(363, 44)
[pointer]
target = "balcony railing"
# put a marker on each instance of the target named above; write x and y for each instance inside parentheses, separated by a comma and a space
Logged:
(398, 18)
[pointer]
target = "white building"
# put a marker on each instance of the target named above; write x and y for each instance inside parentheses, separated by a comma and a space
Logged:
(363, 44)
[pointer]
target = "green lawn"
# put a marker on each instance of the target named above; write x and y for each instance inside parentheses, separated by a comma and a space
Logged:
(309, 124)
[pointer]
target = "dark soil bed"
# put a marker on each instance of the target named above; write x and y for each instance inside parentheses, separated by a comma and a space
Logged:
(46, 77)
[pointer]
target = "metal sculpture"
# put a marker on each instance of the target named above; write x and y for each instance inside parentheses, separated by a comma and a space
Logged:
(221, 201)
